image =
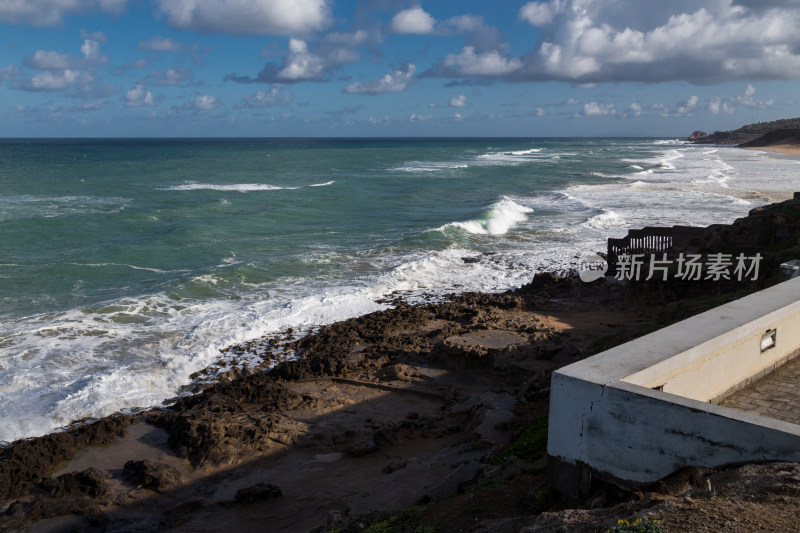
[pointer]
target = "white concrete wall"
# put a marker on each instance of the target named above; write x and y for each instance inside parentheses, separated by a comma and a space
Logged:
(712, 368)
(632, 434)
(604, 413)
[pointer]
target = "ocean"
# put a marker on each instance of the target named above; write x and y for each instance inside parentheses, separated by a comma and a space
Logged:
(126, 265)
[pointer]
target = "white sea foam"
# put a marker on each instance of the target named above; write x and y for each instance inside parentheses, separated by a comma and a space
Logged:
(31, 206)
(131, 353)
(134, 267)
(513, 158)
(135, 352)
(241, 187)
(429, 166)
(608, 220)
(238, 187)
(498, 220)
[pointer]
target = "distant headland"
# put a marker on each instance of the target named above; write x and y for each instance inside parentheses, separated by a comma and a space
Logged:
(761, 134)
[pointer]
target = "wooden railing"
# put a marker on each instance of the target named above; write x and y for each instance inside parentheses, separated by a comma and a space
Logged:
(651, 240)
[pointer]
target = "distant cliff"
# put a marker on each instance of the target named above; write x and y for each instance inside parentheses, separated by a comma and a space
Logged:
(744, 134)
(773, 138)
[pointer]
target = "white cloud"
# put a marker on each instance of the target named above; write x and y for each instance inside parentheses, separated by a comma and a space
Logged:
(419, 118)
(480, 37)
(51, 12)
(167, 78)
(338, 48)
(49, 60)
(537, 13)
(414, 20)
(572, 101)
(115, 7)
(747, 99)
(470, 63)
(593, 109)
(91, 50)
(164, 44)
(205, 102)
(635, 109)
(396, 81)
(133, 64)
(683, 108)
(716, 106)
(301, 64)
(275, 96)
(95, 36)
(49, 80)
(274, 17)
(59, 71)
(458, 101)
(52, 60)
(461, 24)
(630, 40)
(88, 105)
(139, 96)
(6, 73)
(539, 112)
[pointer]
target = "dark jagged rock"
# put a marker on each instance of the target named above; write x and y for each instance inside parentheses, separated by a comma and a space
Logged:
(763, 228)
(75, 493)
(697, 134)
(258, 493)
(159, 477)
(24, 462)
(89, 482)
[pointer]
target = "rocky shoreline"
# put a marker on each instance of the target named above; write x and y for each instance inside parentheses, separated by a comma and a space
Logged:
(433, 411)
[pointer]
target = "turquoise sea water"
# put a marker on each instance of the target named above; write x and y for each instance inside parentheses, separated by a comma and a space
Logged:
(125, 265)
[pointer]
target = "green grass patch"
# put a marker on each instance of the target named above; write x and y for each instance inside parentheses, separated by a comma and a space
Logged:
(529, 446)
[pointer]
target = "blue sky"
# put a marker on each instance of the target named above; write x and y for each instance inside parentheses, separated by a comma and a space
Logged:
(141, 68)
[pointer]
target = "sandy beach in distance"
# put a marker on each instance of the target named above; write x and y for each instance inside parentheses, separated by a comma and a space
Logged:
(787, 149)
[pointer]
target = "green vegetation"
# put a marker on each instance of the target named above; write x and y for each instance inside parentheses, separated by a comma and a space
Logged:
(539, 501)
(530, 445)
(639, 526)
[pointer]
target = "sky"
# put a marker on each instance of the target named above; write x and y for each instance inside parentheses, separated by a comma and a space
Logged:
(387, 68)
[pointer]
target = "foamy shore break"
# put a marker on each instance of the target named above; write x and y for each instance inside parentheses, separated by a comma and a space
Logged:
(436, 413)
